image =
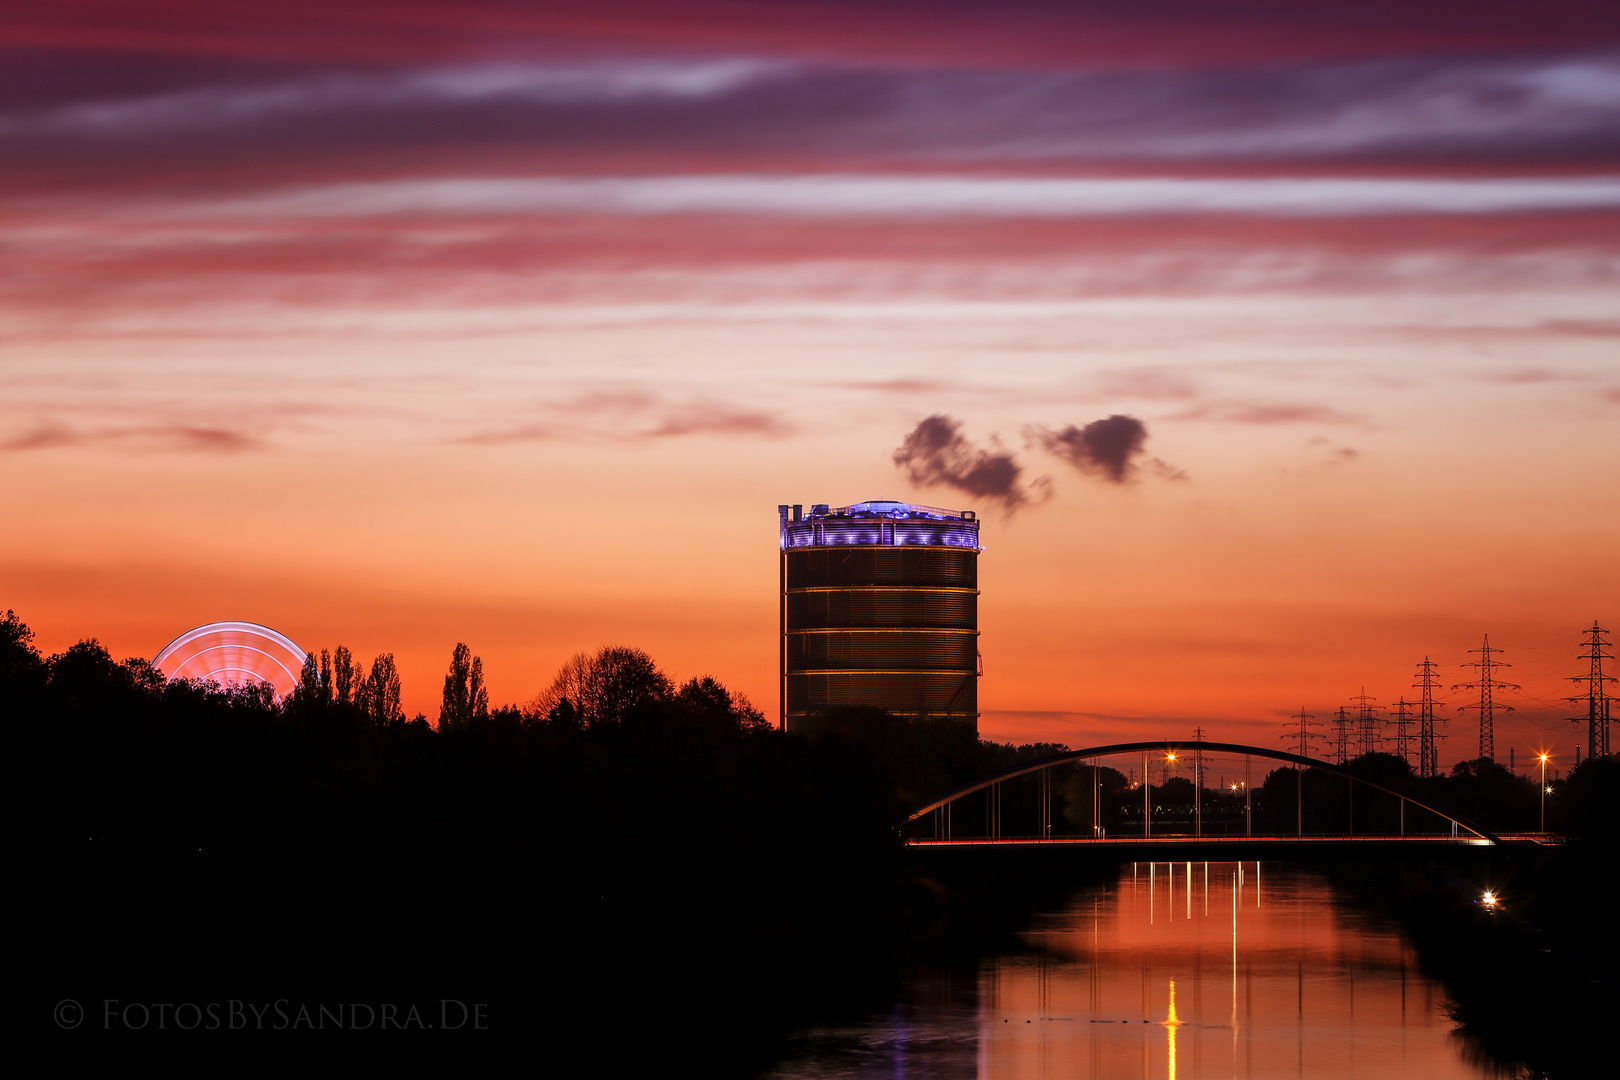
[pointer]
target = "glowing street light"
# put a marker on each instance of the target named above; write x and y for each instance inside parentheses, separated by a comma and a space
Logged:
(1543, 757)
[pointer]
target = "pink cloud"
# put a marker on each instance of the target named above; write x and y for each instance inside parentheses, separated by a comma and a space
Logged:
(1249, 412)
(712, 419)
(161, 438)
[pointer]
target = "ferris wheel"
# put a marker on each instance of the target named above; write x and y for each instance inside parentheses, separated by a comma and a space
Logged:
(233, 654)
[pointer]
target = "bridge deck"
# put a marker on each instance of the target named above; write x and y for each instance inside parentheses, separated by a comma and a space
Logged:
(1228, 841)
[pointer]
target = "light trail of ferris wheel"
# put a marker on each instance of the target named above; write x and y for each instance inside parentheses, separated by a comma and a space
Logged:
(233, 654)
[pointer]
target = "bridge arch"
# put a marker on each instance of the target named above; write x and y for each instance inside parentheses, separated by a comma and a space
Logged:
(1173, 747)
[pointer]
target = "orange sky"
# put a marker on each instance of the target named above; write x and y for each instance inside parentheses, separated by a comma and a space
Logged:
(515, 348)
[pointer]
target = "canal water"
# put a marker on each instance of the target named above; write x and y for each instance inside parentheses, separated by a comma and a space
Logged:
(1171, 971)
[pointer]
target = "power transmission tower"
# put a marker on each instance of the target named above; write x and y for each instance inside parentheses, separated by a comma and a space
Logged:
(1403, 735)
(1597, 694)
(1341, 737)
(1428, 757)
(1366, 723)
(1487, 685)
(1300, 730)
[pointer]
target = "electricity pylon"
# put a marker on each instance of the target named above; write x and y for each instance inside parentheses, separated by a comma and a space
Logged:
(1303, 722)
(1597, 694)
(1428, 755)
(1341, 737)
(1487, 685)
(1403, 736)
(1366, 723)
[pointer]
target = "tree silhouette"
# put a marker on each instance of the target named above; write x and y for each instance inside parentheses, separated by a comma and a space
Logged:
(310, 684)
(592, 691)
(465, 699)
(707, 696)
(346, 676)
(377, 696)
(21, 671)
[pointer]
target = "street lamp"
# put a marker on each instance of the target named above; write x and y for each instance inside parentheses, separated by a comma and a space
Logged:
(1543, 792)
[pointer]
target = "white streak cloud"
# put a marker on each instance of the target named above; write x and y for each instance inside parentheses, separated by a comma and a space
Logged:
(217, 106)
(927, 196)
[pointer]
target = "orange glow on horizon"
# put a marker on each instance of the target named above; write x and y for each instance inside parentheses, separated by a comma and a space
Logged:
(409, 339)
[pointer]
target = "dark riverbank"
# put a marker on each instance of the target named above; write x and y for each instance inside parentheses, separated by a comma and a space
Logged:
(1535, 983)
(662, 875)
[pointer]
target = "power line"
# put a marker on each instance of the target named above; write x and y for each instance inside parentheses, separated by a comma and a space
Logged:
(1487, 685)
(1428, 678)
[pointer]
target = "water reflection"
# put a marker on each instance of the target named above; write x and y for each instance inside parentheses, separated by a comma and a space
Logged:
(1173, 970)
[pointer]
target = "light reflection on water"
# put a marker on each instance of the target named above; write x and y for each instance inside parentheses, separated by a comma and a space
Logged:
(1174, 970)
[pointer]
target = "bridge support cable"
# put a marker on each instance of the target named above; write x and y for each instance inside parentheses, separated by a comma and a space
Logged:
(1147, 799)
(1198, 783)
(1198, 792)
(1097, 799)
(1046, 803)
(1248, 806)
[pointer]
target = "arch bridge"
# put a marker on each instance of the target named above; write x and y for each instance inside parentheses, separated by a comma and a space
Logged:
(951, 822)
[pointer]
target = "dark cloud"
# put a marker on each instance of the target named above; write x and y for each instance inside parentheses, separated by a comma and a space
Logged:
(1035, 34)
(437, 114)
(1107, 448)
(936, 454)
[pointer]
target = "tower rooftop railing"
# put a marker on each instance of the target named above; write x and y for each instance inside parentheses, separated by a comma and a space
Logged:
(884, 508)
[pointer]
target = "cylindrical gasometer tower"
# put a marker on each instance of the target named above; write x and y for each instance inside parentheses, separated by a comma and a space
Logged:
(880, 606)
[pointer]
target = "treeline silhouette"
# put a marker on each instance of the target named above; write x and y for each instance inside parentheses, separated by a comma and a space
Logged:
(625, 863)
(623, 850)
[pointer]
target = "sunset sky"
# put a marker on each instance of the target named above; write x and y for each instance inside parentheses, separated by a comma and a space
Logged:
(400, 324)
